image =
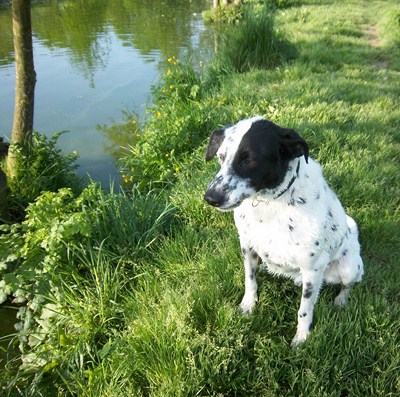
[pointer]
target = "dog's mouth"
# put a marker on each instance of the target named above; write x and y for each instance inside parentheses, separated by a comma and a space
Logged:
(220, 201)
(228, 208)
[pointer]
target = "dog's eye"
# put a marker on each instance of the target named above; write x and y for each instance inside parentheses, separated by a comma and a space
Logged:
(245, 158)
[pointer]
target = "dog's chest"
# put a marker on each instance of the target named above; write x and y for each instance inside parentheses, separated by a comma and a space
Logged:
(277, 235)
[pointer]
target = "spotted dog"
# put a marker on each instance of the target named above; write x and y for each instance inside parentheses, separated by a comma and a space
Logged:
(285, 213)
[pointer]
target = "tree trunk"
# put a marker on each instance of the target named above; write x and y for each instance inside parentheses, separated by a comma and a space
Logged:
(25, 80)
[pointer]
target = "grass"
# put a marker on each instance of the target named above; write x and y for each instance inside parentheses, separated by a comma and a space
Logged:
(161, 318)
(254, 42)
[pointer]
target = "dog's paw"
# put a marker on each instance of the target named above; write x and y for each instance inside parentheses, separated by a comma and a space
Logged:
(342, 299)
(298, 281)
(299, 338)
(247, 304)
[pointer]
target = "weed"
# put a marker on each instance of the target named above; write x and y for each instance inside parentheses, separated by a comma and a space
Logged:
(41, 167)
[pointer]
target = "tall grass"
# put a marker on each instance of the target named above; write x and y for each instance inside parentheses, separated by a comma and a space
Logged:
(254, 42)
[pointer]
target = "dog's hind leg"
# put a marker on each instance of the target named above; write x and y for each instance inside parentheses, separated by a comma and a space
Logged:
(350, 268)
(251, 260)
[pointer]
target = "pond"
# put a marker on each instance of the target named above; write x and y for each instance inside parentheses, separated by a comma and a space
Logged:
(96, 61)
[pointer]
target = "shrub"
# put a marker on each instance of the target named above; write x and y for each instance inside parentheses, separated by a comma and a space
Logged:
(184, 112)
(254, 42)
(41, 167)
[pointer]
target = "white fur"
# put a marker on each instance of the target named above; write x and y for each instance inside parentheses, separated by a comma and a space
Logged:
(303, 234)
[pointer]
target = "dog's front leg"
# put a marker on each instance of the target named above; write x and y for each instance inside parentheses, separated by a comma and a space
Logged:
(312, 281)
(250, 283)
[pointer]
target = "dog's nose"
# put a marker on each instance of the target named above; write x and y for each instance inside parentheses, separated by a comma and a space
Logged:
(214, 198)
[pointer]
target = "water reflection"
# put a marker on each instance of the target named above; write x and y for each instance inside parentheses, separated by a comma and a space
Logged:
(120, 135)
(94, 58)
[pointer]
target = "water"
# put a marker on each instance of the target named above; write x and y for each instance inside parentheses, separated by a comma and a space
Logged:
(95, 62)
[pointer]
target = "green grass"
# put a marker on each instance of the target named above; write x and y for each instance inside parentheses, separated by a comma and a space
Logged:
(159, 317)
(254, 42)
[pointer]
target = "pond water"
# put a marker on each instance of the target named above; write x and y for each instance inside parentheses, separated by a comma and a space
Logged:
(95, 62)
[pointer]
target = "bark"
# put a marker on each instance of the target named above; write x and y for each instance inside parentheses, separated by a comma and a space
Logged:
(25, 80)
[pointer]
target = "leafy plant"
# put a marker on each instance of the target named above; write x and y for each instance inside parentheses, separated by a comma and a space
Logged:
(66, 262)
(184, 112)
(41, 167)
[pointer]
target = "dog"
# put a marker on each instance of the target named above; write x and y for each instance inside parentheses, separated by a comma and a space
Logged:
(285, 213)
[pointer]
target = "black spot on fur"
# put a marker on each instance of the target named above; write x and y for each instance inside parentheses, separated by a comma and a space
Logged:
(344, 253)
(291, 202)
(302, 315)
(291, 228)
(330, 214)
(308, 290)
(334, 228)
(317, 196)
(244, 250)
(302, 200)
(316, 243)
(254, 255)
(312, 253)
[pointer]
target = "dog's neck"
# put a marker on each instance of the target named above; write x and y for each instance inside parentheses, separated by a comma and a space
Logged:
(295, 175)
(267, 196)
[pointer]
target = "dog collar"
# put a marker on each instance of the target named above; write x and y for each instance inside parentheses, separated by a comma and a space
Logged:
(290, 182)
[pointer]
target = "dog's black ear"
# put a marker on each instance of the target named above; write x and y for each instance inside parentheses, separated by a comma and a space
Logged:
(293, 145)
(214, 143)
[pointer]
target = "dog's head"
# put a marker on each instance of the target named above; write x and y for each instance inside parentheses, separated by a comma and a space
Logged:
(254, 156)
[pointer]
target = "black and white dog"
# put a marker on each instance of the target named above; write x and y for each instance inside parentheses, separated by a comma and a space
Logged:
(285, 213)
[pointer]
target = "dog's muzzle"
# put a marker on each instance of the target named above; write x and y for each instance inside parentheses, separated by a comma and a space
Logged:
(214, 197)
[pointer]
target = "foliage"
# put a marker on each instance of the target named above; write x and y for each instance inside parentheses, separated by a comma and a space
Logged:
(233, 13)
(141, 295)
(186, 103)
(254, 42)
(390, 25)
(120, 135)
(63, 244)
(229, 14)
(183, 113)
(41, 167)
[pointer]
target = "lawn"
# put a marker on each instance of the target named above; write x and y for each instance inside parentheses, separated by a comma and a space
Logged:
(150, 308)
